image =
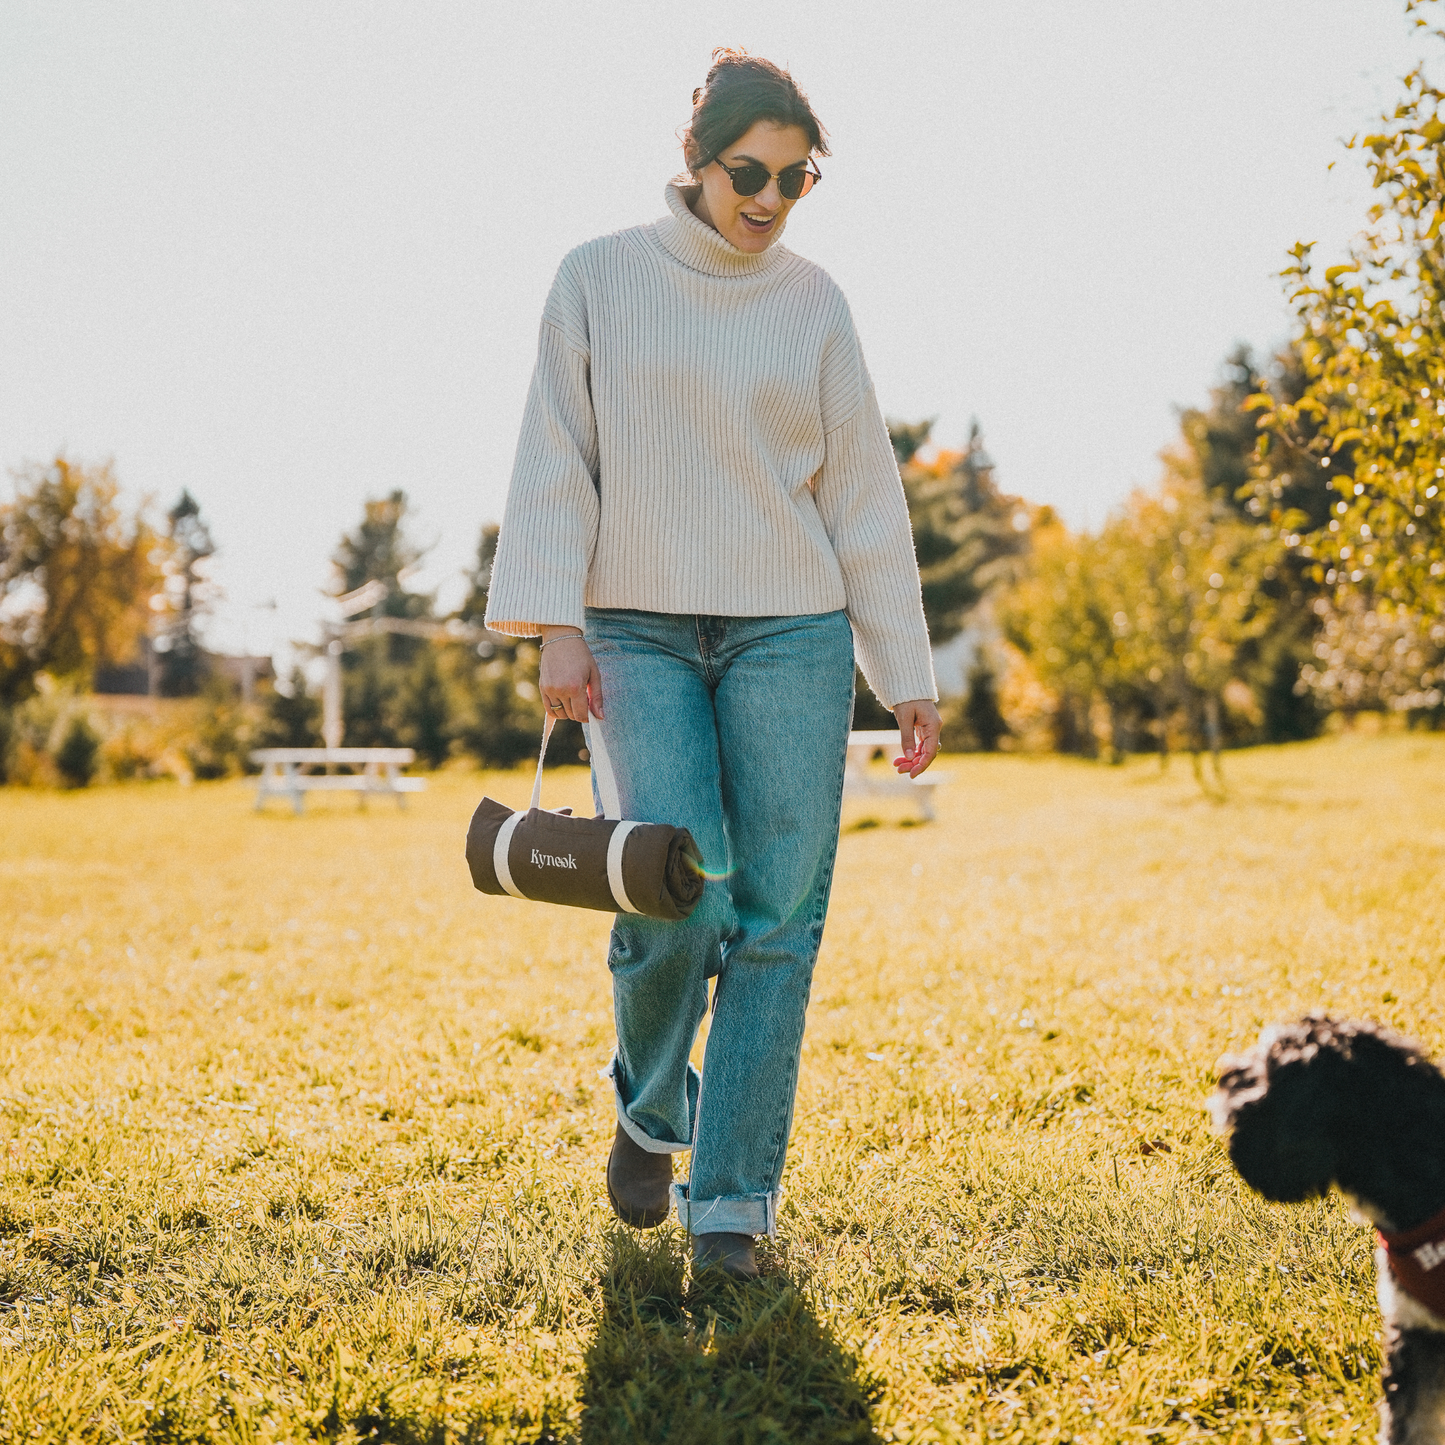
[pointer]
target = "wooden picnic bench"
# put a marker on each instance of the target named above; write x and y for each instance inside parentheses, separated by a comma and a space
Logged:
(858, 782)
(283, 771)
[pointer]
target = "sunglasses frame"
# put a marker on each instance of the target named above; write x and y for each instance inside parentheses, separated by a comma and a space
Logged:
(809, 169)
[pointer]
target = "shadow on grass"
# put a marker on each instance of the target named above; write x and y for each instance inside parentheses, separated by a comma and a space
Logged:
(717, 1363)
(864, 825)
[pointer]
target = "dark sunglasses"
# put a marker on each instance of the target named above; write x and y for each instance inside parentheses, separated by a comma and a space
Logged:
(793, 183)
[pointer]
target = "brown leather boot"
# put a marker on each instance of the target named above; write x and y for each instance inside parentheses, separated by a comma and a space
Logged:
(638, 1183)
(733, 1254)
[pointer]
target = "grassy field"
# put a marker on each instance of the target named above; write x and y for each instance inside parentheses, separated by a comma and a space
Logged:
(302, 1138)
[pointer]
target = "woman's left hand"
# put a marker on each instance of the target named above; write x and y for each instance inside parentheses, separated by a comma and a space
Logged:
(919, 724)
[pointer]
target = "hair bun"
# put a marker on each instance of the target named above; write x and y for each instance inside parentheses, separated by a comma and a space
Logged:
(741, 90)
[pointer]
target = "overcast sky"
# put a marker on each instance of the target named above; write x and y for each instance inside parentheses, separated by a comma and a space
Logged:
(292, 254)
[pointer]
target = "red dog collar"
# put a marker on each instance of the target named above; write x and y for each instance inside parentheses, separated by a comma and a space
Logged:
(1417, 1262)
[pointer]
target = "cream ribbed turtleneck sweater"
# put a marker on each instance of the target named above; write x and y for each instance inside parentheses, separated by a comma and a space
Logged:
(701, 436)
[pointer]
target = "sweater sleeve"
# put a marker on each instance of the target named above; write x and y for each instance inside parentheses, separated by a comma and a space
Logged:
(860, 499)
(549, 528)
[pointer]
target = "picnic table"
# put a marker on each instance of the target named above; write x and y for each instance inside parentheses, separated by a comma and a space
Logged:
(283, 771)
(859, 782)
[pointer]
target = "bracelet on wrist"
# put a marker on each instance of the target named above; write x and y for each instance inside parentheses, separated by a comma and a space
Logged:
(565, 637)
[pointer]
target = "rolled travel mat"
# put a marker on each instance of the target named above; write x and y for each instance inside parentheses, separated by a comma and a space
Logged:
(605, 863)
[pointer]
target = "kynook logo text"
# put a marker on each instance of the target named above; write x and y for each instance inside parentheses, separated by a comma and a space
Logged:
(551, 860)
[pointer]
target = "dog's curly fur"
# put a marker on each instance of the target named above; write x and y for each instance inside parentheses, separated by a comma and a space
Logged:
(1327, 1102)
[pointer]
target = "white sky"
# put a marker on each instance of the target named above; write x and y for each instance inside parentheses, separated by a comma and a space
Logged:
(291, 253)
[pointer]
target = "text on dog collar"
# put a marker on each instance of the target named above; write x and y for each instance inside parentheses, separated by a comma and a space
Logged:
(1415, 1257)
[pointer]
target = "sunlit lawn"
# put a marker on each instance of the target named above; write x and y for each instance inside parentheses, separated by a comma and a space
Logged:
(304, 1138)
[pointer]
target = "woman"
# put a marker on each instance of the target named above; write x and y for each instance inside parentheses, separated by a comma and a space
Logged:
(705, 518)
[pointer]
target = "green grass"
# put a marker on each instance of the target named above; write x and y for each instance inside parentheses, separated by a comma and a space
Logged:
(301, 1138)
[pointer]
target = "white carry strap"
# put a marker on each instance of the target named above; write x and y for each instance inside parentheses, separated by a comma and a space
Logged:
(601, 764)
(542, 758)
(503, 844)
(611, 808)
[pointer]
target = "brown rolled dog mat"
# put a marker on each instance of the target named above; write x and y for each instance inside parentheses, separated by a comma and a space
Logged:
(612, 864)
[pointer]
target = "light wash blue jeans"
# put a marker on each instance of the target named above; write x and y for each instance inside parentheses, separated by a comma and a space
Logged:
(737, 729)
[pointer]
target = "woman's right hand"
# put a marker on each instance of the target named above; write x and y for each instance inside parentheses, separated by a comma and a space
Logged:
(570, 681)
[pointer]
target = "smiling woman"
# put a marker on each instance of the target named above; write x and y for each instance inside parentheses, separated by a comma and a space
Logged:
(705, 521)
(749, 144)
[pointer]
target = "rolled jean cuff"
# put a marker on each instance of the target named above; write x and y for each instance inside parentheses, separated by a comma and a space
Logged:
(635, 1131)
(729, 1213)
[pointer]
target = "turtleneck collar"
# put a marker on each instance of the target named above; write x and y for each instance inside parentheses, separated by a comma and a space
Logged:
(700, 248)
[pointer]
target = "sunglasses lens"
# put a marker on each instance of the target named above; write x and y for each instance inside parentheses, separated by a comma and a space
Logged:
(793, 185)
(749, 180)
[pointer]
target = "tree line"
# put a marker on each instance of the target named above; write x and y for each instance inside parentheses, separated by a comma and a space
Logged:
(92, 591)
(1288, 564)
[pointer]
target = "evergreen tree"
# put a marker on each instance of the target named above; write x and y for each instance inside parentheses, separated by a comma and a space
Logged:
(77, 759)
(292, 718)
(909, 438)
(498, 715)
(372, 687)
(1223, 440)
(379, 550)
(1219, 449)
(981, 710)
(496, 724)
(222, 736)
(377, 669)
(424, 711)
(967, 533)
(188, 596)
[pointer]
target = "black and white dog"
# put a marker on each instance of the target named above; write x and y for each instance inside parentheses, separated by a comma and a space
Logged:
(1329, 1102)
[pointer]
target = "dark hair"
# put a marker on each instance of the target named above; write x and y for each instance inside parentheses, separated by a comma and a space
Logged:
(741, 90)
